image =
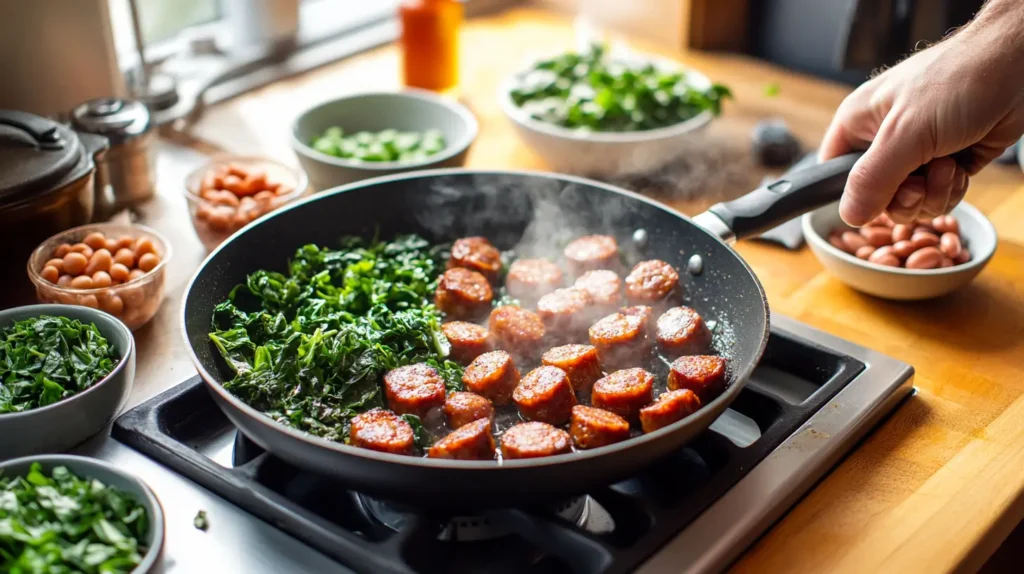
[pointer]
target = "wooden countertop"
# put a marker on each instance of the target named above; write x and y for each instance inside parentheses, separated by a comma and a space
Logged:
(938, 486)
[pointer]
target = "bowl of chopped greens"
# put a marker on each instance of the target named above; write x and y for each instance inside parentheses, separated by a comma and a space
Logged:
(65, 372)
(596, 114)
(368, 135)
(65, 513)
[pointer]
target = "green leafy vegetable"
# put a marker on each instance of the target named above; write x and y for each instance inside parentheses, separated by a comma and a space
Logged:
(388, 145)
(773, 89)
(63, 523)
(310, 348)
(592, 91)
(200, 521)
(46, 359)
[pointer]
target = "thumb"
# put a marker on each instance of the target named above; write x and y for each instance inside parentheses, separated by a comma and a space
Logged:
(900, 146)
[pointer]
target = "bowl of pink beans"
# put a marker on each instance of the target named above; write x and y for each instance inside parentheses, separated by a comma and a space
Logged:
(925, 259)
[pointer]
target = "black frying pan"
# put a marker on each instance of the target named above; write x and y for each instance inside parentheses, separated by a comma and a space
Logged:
(534, 211)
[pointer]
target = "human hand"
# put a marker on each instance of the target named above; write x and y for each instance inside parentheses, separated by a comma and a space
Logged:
(963, 96)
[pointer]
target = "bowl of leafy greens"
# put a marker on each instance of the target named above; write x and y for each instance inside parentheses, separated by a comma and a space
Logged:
(359, 136)
(65, 372)
(64, 513)
(596, 114)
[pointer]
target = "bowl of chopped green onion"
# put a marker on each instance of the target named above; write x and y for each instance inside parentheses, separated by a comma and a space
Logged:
(64, 513)
(368, 135)
(65, 372)
(592, 113)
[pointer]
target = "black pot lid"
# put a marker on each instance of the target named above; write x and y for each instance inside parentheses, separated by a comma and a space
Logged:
(35, 154)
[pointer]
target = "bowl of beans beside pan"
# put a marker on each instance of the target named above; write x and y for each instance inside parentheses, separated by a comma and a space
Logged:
(117, 268)
(926, 259)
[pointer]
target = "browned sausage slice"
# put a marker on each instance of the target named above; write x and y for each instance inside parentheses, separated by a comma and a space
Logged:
(529, 279)
(534, 440)
(473, 441)
(651, 282)
(593, 428)
(414, 389)
(381, 430)
(476, 254)
(670, 407)
(604, 287)
(468, 340)
(462, 293)
(462, 408)
(681, 331)
(565, 312)
(705, 375)
(516, 330)
(620, 340)
(578, 361)
(644, 313)
(545, 394)
(624, 392)
(492, 375)
(592, 252)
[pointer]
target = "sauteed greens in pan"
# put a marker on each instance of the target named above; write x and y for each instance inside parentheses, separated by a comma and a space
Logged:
(309, 348)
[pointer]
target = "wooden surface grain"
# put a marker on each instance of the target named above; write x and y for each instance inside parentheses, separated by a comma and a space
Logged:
(938, 485)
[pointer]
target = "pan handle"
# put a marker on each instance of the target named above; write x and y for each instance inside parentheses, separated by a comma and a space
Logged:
(779, 201)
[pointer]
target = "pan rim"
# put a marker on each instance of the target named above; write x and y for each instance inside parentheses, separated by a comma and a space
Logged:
(740, 378)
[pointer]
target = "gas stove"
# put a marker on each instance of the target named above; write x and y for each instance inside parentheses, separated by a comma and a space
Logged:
(812, 397)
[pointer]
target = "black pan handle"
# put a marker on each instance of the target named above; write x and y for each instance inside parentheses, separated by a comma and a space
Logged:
(781, 200)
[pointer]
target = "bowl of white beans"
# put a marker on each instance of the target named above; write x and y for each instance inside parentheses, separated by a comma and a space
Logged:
(922, 260)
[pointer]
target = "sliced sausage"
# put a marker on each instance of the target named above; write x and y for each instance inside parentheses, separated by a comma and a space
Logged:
(529, 279)
(545, 394)
(467, 340)
(592, 252)
(566, 312)
(534, 440)
(579, 362)
(593, 428)
(604, 287)
(516, 330)
(463, 294)
(473, 441)
(492, 375)
(651, 282)
(703, 374)
(476, 254)
(621, 340)
(462, 408)
(414, 389)
(645, 314)
(624, 392)
(383, 431)
(681, 331)
(670, 407)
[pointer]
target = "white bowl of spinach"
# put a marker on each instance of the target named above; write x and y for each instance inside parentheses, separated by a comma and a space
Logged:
(65, 372)
(63, 513)
(596, 114)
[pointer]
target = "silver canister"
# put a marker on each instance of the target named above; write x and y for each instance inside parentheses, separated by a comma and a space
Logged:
(126, 174)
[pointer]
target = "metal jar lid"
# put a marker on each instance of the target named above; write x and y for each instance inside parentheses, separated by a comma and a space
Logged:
(119, 120)
(36, 155)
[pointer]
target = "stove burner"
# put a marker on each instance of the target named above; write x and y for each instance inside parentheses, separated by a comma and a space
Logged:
(576, 511)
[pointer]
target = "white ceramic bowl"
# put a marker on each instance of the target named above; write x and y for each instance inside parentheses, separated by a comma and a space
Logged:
(978, 234)
(152, 560)
(408, 110)
(604, 154)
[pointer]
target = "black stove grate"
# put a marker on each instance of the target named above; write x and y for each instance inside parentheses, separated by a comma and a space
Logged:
(794, 379)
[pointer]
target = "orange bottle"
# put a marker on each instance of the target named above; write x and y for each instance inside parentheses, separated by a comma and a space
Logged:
(430, 43)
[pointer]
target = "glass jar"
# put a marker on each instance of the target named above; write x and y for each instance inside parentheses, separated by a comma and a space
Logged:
(430, 43)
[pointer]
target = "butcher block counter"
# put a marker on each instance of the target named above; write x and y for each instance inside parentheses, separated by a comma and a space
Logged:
(939, 485)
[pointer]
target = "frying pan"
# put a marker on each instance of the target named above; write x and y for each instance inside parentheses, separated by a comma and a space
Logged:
(535, 213)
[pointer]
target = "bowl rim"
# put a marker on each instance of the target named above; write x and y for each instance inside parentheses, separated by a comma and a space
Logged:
(450, 151)
(976, 262)
(149, 498)
(37, 279)
(516, 114)
(301, 177)
(57, 309)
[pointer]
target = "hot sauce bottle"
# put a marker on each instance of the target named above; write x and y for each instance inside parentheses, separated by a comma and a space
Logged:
(430, 43)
